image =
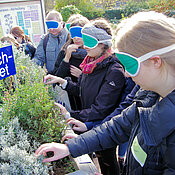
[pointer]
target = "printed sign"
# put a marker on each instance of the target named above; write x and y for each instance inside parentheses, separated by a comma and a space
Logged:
(7, 64)
(28, 15)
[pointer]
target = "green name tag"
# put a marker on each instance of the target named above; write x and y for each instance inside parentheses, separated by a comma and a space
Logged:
(138, 153)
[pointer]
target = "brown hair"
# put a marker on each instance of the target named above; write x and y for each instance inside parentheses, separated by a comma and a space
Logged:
(18, 32)
(102, 23)
(74, 17)
(9, 38)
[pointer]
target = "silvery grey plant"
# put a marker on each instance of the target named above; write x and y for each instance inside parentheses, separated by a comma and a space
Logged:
(16, 153)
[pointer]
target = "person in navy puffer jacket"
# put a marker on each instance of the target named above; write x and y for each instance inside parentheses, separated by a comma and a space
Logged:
(146, 45)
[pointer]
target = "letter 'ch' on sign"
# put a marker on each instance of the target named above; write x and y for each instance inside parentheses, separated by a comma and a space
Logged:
(7, 64)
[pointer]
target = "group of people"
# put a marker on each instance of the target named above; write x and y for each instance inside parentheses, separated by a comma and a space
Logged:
(120, 94)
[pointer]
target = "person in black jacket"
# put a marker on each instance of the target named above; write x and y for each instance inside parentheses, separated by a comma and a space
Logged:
(70, 57)
(146, 45)
(100, 85)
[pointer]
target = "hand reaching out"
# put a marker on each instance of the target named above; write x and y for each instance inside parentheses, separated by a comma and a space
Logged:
(53, 79)
(62, 108)
(59, 150)
(68, 136)
(75, 71)
(77, 125)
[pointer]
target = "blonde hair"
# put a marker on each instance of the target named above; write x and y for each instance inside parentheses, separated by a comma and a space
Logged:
(145, 32)
(54, 15)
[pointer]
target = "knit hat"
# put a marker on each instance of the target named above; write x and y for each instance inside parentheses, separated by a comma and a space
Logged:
(100, 34)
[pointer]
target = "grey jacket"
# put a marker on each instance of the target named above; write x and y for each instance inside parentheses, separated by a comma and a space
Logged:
(53, 47)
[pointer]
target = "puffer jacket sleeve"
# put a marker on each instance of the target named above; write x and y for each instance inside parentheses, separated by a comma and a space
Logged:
(73, 87)
(109, 134)
(63, 70)
(40, 57)
(170, 155)
(105, 101)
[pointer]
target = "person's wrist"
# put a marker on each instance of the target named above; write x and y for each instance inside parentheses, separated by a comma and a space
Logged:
(62, 81)
(67, 58)
(63, 85)
(67, 150)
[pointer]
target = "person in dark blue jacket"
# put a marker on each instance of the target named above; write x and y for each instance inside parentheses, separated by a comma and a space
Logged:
(125, 102)
(146, 45)
(101, 83)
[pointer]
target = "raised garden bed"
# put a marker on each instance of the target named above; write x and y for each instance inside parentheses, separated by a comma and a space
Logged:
(29, 118)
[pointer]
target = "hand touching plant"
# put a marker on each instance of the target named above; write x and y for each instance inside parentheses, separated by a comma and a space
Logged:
(60, 151)
(62, 108)
(68, 136)
(77, 125)
(53, 79)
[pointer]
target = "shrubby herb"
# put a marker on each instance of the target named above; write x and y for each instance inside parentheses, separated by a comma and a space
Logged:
(26, 99)
(29, 99)
(16, 152)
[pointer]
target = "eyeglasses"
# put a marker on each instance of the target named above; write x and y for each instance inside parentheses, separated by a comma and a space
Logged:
(91, 42)
(52, 24)
(132, 64)
(75, 31)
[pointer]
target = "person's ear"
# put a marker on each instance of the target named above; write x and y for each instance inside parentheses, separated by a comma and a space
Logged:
(61, 23)
(157, 61)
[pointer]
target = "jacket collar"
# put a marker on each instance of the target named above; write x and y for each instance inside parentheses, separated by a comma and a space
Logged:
(157, 122)
(107, 62)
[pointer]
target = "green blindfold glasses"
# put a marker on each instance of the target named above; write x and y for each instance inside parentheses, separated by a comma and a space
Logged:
(91, 42)
(132, 64)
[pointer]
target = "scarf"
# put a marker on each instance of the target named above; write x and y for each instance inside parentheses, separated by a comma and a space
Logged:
(89, 63)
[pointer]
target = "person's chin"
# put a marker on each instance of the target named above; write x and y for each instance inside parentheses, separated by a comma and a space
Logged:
(54, 33)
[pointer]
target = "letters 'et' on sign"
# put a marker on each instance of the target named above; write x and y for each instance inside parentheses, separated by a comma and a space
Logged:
(7, 64)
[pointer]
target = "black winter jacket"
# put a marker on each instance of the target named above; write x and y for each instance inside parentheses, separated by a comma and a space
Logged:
(147, 121)
(62, 69)
(100, 91)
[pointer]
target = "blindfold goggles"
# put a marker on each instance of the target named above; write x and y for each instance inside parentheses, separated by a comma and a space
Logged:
(91, 42)
(52, 24)
(68, 26)
(75, 32)
(132, 64)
